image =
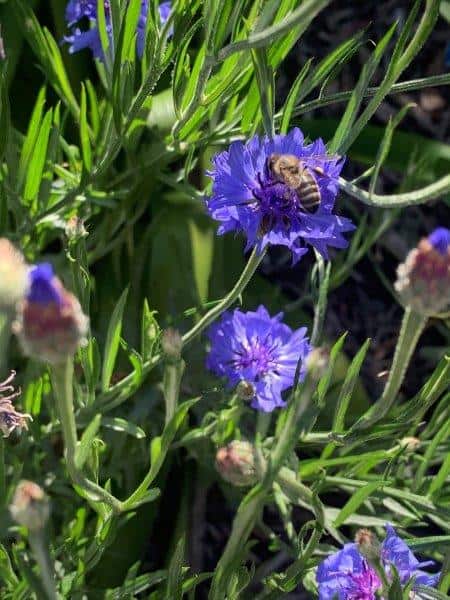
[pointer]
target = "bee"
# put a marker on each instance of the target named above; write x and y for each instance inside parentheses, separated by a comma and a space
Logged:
(296, 175)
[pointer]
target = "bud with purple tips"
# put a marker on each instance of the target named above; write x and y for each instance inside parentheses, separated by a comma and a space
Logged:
(423, 280)
(51, 325)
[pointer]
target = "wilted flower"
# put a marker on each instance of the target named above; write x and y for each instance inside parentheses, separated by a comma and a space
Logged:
(13, 275)
(77, 10)
(347, 574)
(30, 506)
(245, 391)
(423, 280)
(258, 349)
(10, 418)
(75, 229)
(51, 325)
(237, 463)
(247, 196)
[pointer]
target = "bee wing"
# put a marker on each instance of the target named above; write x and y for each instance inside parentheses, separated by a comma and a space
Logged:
(321, 157)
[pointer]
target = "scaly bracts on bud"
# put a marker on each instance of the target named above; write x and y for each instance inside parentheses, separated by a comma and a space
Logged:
(30, 506)
(237, 463)
(423, 280)
(51, 325)
(13, 276)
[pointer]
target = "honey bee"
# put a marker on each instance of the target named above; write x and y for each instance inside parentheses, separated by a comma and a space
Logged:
(296, 175)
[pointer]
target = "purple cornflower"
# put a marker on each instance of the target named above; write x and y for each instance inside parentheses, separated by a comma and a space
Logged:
(247, 196)
(395, 551)
(260, 350)
(77, 10)
(10, 418)
(347, 575)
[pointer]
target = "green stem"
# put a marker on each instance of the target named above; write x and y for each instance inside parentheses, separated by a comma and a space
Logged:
(412, 327)
(126, 386)
(42, 556)
(173, 373)
(62, 376)
(248, 272)
(434, 190)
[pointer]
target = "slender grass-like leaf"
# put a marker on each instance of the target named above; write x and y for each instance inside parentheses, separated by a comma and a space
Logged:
(113, 341)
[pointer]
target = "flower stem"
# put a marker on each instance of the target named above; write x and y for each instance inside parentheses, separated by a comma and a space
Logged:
(42, 556)
(412, 327)
(5, 334)
(62, 376)
(215, 312)
(125, 388)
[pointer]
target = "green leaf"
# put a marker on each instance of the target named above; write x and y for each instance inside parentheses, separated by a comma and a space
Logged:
(87, 439)
(354, 103)
(123, 426)
(84, 132)
(325, 381)
(37, 160)
(174, 589)
(150, 332)
(113, 341)
(357, 499)
(291, 100)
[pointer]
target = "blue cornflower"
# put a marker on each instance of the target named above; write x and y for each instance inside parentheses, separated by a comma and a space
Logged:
(395, 551)
(260, 350)
(43, 287)
(248, 197)
(77, 10)
(347, 575)
(440, 240)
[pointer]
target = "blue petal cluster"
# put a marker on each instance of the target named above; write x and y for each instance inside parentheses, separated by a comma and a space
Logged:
(346, 575)
(440, 240)
(80, 39)
(43, 288)
(260, 350)
(246, 198)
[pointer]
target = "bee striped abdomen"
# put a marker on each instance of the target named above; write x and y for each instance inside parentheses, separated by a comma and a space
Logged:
(308, 192)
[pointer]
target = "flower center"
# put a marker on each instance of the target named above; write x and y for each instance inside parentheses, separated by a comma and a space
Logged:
(256, 356)
(277, 202)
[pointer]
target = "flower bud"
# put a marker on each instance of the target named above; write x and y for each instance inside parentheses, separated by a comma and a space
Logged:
(172, 343)
(237, 463)
(423, 280)
(317, 362)
(10, 418)
(51, 325)
(245, 391)
(13, 275)
(410, 443)
(368, 544)
(30, 506)
(75, 229)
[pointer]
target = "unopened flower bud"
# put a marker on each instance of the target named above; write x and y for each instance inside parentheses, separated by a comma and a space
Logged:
(172, 343)
(245, 391)
(75, 229)
(10, 418)
(368, 544)
(423, 280)
(410, 443)
(317, 362)
(30, 506)
(51, 325)
(13, 275)
(237, 463)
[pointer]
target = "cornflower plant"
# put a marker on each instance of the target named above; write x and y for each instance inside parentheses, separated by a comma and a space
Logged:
(196, 248)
